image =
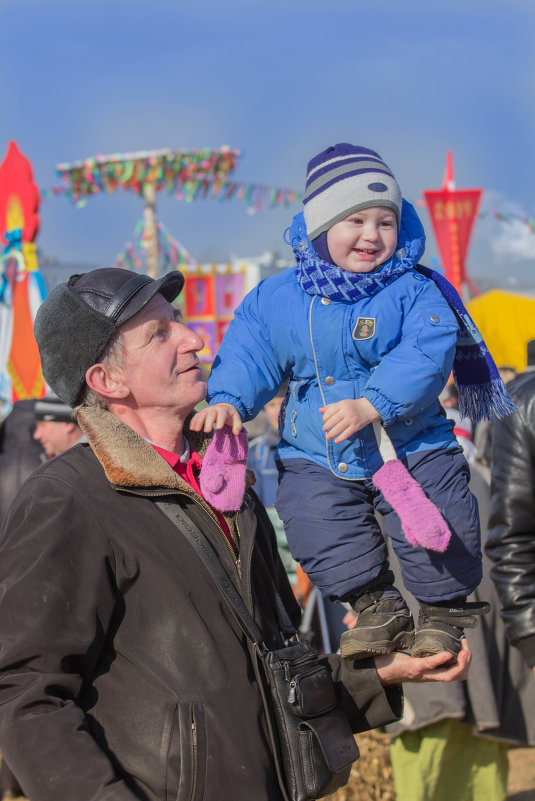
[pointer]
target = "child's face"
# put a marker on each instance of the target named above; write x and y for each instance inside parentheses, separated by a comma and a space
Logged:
(364, 240)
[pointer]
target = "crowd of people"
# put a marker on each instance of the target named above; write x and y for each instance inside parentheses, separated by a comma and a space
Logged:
(123, 674)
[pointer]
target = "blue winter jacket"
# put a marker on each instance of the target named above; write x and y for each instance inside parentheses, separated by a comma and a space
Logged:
(281, 331)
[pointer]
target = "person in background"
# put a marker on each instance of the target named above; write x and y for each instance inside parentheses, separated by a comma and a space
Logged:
(462, 426)
(452, 742)
(261, 460)
(511, 541)
(20, 455)
(55, 426)
(34, 426)
(483, 430)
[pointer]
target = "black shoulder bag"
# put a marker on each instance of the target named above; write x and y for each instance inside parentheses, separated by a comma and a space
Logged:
(314, 746)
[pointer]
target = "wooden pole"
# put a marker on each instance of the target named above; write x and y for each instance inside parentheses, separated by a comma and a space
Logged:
(151, 230)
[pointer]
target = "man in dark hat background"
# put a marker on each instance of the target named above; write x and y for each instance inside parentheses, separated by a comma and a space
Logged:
(55, 426)
(123, 674)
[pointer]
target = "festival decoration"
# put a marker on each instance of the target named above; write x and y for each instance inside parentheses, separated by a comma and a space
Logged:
(257, 197)
(453, 213)
(163, 169)
(21, 285)
(145, 173)
(210, 295)
(172, 255)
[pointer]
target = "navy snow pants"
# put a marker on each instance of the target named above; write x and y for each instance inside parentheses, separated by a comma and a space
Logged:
(333, 532)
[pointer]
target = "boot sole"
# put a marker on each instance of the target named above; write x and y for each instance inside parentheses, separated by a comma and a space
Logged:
(353, 649)
(430, 646)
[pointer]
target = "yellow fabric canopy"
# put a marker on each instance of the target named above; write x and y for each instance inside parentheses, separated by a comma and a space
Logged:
(507, 323)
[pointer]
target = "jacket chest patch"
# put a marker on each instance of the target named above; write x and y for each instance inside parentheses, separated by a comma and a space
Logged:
(364, 328)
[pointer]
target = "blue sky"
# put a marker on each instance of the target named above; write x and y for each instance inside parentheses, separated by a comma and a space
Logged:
(279, 81)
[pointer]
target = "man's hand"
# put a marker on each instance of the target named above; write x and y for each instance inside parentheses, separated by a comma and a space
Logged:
(398, 668)
(216, 416)
(344, 418)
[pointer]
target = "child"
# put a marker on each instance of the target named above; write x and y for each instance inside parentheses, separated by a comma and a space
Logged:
(368, 342)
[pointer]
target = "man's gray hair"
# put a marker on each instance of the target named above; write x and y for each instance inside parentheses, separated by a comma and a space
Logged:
(113, 355)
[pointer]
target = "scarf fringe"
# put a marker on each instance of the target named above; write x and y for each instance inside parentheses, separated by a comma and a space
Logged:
(485, 401)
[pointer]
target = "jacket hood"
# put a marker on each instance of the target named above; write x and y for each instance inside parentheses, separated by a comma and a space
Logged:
(411, 238)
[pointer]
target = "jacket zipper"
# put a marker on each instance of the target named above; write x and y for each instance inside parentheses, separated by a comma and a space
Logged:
(194, 757)
(318, 375)
(321, 389)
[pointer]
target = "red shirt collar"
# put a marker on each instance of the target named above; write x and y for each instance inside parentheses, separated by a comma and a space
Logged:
(189, 471)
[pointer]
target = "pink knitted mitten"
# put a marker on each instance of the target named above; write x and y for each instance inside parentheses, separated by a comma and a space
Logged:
(421, 521)
(222, 476)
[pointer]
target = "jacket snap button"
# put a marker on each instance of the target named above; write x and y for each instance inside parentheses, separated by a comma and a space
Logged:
(326, 301)
(435, 318)
(329, 380)
(342, 467)
(408, 421)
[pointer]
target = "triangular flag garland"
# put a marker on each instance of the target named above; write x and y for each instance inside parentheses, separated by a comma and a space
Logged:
(163, 169)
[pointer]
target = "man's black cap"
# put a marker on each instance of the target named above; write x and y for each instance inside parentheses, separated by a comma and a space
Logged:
(76, 321)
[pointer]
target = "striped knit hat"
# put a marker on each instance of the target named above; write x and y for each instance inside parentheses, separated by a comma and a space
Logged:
(344, 179)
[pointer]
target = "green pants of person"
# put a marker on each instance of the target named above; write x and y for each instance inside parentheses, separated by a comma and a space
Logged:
(446, 761)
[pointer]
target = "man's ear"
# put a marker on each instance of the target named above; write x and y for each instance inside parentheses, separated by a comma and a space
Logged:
(106, 381)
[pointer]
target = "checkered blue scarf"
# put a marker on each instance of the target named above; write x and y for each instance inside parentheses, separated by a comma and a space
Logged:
(482, 393)
(319, 277)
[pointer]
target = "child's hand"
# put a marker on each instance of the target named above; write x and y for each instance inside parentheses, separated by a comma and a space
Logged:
(344, 418)
(216, 416)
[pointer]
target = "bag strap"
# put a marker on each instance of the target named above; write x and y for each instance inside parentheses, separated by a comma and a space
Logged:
(212, 562)
(234, 601)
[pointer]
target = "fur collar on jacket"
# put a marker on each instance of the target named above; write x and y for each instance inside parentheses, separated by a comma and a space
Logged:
(130, 461)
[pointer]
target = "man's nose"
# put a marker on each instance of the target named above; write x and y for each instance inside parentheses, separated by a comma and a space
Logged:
(188, 339)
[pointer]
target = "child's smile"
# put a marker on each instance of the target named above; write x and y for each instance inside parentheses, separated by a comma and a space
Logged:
(364, 240)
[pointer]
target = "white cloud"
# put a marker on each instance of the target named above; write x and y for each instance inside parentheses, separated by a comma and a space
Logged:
(512, 238)
(515, 240)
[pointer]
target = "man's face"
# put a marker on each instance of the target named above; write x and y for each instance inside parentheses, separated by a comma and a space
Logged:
(160, 364)
(54, 437)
